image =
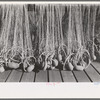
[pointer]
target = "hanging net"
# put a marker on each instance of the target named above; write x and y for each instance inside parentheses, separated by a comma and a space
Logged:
(48, 36)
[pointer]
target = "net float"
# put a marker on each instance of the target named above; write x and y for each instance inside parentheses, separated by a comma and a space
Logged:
(30, 68)
(59, 57)
(49, 66)
(25, 65)
(54, 62)
(79, 67)
(2, 68)
(49, 63)
(70, 66)
(31, 63)
(46, 65)
(94, 57)
(13, 61)
(53, 67)
(12, 64)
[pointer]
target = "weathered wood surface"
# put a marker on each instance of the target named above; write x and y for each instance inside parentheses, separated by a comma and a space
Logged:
(15, 76)
(68, 76)
(41, 76)
(91, 74)
(4, 75)
(81, 76)
(54, 76)
(28, 77)
(96, 65)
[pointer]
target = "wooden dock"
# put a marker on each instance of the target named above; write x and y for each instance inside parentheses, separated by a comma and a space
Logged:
(91, 74)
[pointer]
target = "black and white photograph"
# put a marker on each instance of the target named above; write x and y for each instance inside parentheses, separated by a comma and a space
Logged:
(49, 42)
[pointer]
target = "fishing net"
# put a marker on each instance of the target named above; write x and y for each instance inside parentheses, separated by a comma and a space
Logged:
(49, 34)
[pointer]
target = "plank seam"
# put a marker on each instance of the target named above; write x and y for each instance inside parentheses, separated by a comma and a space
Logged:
(95, 69)
(8, 76)
(34, 77)
(74, 76)
(88, 76)
(21, 76)
(48, 76)
(61, 76)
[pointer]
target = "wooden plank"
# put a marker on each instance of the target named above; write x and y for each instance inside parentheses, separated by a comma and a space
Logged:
(41, 76)
(28, 77)
(96, 65)
(81, 76)
(54, 76)
(92, 73)
(15, 76)
(4, 75)
(68, 76)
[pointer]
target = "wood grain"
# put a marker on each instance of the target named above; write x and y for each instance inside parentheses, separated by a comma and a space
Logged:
(28, 77)
(15, 76)
(68, 76)
(54, 76)
(41, 76)
(81, 76)
(4, 75)
(92, 73)
(96, 66)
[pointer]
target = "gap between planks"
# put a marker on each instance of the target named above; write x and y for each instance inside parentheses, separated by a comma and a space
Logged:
(93, 74)
(4, 76)
(81, 76)
(68, 76)
(14, 76)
